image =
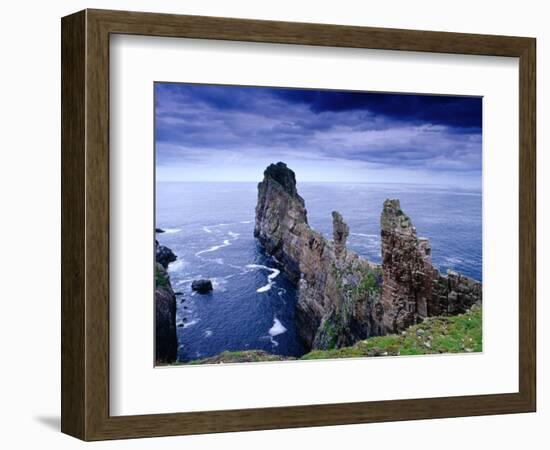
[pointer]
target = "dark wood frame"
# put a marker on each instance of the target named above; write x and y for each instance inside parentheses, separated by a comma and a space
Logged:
(85, 224)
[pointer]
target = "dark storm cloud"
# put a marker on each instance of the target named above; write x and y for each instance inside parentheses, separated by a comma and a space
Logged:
(444, 110)
(206, 122)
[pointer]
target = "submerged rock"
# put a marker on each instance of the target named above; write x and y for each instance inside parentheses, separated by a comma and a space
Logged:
(159, 230)
(202, 286)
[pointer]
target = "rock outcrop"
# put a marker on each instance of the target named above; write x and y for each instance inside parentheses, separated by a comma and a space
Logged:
(163, 255)
(343, 298)
(202, 286)
(338, 292)
(166, 341)
(412, 287)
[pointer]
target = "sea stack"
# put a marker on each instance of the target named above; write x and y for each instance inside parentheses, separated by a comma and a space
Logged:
(407, 269)
(342, 298)
(412, 287)
(337, 290)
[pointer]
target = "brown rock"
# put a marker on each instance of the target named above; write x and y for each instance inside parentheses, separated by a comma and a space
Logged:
(342, 298)
(335, 299)
(412, 288)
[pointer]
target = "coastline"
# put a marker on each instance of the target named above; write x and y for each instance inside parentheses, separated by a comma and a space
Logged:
(341, 329)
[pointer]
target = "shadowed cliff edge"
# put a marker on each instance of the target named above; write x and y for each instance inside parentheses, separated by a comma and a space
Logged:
(342, 298)
(166, 341)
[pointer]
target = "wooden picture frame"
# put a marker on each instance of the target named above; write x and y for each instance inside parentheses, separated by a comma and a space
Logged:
(85, 224)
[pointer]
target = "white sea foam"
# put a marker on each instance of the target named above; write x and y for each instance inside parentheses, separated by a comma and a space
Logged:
(172, 230)
(176, 265)
(219, 283)
(275, 330)
(191, 323)
(214, 248)
(453, 260)
(365, 235)
(274, 274)
(246, 221)
(184, 281)
(206, 230)
(208, 333)
(233, 235)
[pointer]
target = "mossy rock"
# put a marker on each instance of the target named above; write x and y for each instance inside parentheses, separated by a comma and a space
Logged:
(436, 335)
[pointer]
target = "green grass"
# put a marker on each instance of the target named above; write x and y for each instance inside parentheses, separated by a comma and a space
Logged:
(456, 334)
(239, 356)
(160, 278)
(369, 284)
(435, 335)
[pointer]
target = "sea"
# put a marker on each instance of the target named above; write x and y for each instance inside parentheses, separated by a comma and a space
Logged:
(209, 226)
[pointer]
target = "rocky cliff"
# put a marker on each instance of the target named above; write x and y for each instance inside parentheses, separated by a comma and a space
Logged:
(343, 298)
(338, 295)
(166, 341)
(412, 287)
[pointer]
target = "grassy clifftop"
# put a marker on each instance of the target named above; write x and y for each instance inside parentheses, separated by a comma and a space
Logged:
(435, 335)
(456, 334)
(240, 356)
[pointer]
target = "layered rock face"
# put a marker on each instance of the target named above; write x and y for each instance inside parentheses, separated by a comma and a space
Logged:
(343, 298)
(412, 287)
(338, 292)
(166, 341)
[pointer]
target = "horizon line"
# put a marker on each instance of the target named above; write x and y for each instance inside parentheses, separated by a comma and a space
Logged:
(324, 182)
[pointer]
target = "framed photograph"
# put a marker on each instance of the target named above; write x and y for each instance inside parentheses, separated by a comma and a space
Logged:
(273, 225)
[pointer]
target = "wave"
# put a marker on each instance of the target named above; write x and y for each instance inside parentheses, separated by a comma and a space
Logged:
(451, 260)
(365, 235)
(275, 330)
(246, 221)
(176, 265)
(190, 324)
(274, 274)
(219, 283)
(214, 248)
(171, 230)
(233, 235)
(184, 281)
(206, 230)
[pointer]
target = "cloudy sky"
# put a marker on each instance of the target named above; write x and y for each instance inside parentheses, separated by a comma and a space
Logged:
(231, 133)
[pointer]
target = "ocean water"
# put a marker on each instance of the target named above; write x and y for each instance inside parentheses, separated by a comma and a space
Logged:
(209, 226)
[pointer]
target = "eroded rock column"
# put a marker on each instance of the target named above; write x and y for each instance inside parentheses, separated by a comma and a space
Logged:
(408, 274)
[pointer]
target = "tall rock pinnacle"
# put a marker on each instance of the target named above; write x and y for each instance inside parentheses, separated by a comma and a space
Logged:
(280, 216)
(336, 289)
(412, 287)
(340, 233)
(407, 270)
